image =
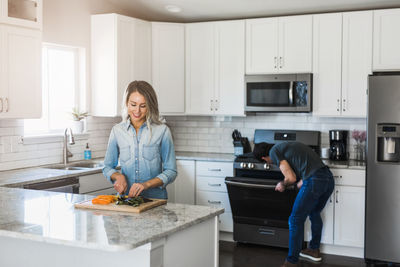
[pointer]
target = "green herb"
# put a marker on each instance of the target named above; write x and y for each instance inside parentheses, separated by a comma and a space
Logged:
(131, 201)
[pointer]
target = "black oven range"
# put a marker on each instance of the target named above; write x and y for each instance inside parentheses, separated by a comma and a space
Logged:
(260, 214)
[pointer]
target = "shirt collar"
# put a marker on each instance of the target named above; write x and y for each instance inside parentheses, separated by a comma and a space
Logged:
(128, 124)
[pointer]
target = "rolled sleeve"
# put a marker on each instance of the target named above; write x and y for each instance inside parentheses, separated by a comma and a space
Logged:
(111, 157)
(169, 172)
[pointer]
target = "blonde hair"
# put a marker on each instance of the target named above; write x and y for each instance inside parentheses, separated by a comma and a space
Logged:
(147, 91)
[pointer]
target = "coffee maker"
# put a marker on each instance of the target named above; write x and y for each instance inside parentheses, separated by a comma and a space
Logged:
(338, 145)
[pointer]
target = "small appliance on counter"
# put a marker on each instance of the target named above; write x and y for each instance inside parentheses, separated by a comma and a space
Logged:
(338, 145)
(241, 144)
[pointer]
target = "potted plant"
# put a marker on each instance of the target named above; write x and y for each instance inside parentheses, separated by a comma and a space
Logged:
(77, 120)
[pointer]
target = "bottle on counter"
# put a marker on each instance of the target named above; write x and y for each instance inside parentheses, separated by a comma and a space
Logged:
(88, 152)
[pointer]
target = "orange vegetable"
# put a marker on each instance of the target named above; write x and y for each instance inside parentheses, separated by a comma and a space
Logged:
(104, 199)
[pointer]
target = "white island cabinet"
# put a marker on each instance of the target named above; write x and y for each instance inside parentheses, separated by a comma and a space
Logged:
(50, 232)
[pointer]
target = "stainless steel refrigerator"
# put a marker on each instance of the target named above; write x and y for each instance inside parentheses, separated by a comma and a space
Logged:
(382, 223)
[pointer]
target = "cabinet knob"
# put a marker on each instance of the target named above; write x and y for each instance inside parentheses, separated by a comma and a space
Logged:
(1, 102)
(6, 104)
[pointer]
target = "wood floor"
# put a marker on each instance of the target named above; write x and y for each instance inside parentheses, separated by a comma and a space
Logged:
(245, 255)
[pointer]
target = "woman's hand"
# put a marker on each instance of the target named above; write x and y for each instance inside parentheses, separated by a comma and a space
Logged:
(136, 189)
(120, 184)
(280, 187)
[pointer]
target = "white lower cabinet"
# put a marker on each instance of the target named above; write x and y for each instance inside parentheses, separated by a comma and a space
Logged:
(211, 189)
(95, 184)
(182, 190)
(343, 215)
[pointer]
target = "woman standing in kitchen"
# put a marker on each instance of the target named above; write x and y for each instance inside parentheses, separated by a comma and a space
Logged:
(142, 144)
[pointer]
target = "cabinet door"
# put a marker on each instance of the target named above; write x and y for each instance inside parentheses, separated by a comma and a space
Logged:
(185, 182)
(349, 216)
(261, 46)
(142, 50)
(93, 182)
(200, 68)
(125, 61)
(21, 57)
(229, 94)
(357, 62)
(168, 66)
(327, 64)
(295, 44)
(386, 39)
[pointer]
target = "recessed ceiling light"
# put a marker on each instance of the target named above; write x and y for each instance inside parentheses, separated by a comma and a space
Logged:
(174, 9)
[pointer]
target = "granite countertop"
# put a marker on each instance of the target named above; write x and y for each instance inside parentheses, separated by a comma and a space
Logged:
(19, 177)
(51, 217)
(348, 164)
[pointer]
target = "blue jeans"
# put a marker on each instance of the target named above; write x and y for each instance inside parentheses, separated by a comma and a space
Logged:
(310, 201)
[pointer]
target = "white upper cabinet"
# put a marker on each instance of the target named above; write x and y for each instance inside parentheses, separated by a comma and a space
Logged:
(386, 39)
(342, 58)
(356, 62)
(20, 56)
(327, 64)
(26, 13)
(279, 45)
(215, 68)
(168, 66)
(121, 53)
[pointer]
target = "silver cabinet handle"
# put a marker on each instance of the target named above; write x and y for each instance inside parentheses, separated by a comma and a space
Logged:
(330, 199)
(1, 101)
(337, 194)
(275, 62)
(211, 105)
(214, 184)
(214, 170)
(214, 202)
(338, 105)
(280, 62)
(216, 105)
(6, 104)
(337, 176)
(344, 104)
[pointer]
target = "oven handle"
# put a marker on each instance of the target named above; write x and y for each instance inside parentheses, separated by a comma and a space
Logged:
(291, 93)
(255, 185)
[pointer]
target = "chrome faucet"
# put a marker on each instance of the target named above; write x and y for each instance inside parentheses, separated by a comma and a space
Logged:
(66, 152)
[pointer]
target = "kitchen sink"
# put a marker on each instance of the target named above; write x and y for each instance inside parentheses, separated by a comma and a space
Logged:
(90, 165)
(67, 168)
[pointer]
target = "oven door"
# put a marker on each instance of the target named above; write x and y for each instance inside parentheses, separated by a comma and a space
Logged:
(254, 201)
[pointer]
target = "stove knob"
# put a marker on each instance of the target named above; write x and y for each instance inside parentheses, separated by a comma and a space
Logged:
(243, 165)
(251, 165)
(266, 166)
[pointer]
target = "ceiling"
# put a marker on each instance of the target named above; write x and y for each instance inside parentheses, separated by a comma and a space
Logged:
(206, 10)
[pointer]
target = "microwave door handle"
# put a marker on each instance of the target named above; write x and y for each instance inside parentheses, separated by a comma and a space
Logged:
(291, 94)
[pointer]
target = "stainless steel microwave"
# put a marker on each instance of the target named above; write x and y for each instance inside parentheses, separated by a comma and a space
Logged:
(278, 93)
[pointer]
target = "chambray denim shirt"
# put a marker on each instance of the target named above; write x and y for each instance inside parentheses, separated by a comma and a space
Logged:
(142, 157)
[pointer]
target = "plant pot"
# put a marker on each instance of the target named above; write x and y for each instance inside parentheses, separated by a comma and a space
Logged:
(77, 126)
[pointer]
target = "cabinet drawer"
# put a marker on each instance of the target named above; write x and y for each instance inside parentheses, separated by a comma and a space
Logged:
(349, 177)
(207, 183)
(220, 169)
(213, 199)
(93, 182)
(226, 222)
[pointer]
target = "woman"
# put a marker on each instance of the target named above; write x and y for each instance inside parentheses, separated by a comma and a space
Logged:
(143, 146)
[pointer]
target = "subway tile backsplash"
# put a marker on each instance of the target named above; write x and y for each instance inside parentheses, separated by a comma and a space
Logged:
(190, 133)
(214, 134)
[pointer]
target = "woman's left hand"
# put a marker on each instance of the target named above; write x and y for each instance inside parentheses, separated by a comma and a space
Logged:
(136, 189)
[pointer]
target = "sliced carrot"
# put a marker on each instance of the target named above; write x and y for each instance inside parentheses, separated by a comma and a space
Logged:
(100, 201)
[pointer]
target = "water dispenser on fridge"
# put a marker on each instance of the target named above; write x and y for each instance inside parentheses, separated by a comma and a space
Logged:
(388, 142)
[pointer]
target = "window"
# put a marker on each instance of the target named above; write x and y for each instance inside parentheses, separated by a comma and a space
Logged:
(63, 89)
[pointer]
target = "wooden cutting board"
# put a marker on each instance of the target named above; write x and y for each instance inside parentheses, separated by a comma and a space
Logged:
(125, 208)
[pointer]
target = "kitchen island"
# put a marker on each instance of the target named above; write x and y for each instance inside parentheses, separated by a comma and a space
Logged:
(40, 228)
